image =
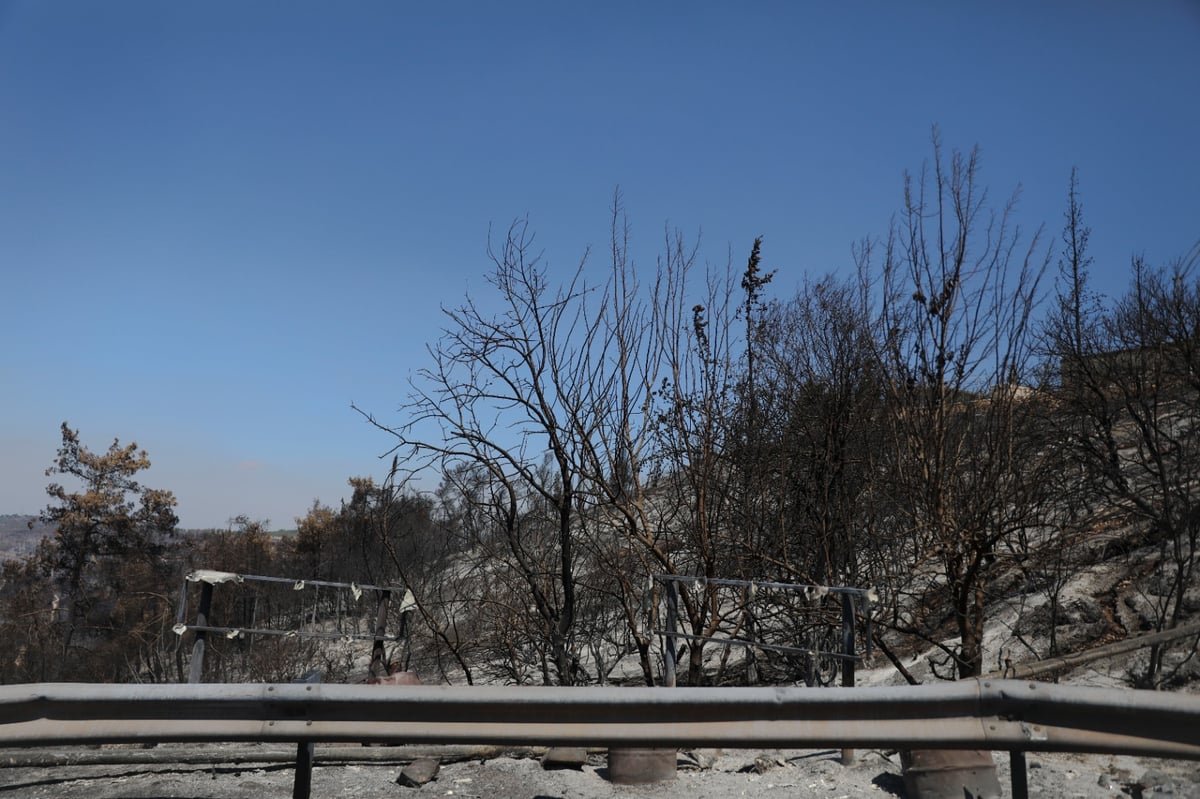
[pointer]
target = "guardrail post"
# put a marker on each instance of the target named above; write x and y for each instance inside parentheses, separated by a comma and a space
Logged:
(1019, 777)
(302, 784)
(669, 648)
(196, 669)
(302, 787)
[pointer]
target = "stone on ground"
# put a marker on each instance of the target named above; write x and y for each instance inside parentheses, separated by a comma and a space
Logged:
(419, 772)
(565, 757)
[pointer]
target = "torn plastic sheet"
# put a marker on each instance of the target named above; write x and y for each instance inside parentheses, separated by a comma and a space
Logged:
(814, 592)
(213, 577)
(240, 632)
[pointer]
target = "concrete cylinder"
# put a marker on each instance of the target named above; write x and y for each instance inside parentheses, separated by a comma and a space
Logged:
(635, 765)
(949, 774)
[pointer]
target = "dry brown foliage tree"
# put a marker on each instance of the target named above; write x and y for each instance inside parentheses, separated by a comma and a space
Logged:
(95, 601)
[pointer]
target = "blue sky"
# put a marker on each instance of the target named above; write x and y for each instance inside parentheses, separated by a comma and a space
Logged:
(222, 222)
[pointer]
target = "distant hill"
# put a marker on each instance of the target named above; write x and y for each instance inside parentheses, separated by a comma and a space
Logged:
(17, 538)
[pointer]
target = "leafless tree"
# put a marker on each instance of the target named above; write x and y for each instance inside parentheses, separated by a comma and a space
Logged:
(592, 420)
(1129, 390)
(818, 410)
(957, 288)
(496, 396)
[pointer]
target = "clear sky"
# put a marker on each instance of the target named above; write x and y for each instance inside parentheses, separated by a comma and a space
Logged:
(222, 222)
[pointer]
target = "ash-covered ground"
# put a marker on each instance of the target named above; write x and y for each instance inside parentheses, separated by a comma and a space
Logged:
(705, 774)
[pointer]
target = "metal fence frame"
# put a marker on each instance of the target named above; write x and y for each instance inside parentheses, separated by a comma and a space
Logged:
(847, 653)
(209, 578)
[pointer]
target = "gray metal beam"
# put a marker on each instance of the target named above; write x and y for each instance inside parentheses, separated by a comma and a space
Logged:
(969, 714)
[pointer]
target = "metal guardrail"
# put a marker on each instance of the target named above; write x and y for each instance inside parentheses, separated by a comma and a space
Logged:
(970, 714)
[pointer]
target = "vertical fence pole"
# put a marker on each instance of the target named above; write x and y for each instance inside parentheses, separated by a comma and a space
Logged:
(379, 667)
(669, 649)
(751, 658)
(196, 670)
(866, 613)
(181, 613)
(848, 640)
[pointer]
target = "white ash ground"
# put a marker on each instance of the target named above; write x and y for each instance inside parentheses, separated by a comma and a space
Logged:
(1016, 630)
(753, 774)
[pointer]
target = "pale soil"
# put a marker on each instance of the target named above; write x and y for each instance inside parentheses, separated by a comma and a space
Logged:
(731, 774)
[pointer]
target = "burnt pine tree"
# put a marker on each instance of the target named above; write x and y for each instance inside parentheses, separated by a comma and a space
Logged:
(109, 517)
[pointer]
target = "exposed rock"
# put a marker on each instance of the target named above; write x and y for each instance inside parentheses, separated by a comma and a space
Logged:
(761, 765)
(565, 757)
(419, 772)
(1158, 782)
(697, 758)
